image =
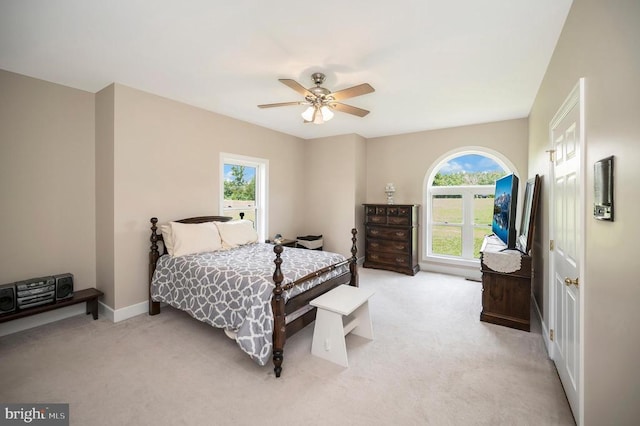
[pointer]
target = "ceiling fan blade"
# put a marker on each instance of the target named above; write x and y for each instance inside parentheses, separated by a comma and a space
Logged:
(281, 104)
(360, 89)
(349, 109)
(296, 86)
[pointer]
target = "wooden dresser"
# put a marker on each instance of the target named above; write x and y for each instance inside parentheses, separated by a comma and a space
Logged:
(391, 237)
(506, 296)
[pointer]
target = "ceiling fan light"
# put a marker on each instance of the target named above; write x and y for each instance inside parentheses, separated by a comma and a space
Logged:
(307, 115)
(317, 117)
(327, 114)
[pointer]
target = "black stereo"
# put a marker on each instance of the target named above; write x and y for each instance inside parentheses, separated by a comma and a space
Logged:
(7, 298)
(35, 292)
(64, 286)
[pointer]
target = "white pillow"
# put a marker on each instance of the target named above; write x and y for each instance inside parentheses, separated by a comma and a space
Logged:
(167, 237)
(237, 232)
(189, 238)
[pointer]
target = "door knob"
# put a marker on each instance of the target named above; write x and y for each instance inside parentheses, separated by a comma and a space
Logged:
(569, 281)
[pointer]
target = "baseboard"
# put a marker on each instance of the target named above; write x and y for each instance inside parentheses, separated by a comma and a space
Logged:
(460, 271)
(117, 315)
(26, 323)
(543, 326)
(124, 313)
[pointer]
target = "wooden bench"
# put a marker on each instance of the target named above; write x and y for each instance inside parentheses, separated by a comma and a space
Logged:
(89, 295)
(341, 311)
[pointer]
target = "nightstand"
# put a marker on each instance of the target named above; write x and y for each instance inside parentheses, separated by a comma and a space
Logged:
(285, 243)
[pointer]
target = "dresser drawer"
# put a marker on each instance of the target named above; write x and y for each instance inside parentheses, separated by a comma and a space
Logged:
(388, 258)
(399, 220)
(376, 211)
(399, 247)
(388, 233)
(380, 220)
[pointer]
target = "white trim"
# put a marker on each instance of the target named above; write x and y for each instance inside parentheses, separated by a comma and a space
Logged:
(583, 229)
(43, 318)
(577, 96)
(544, 329)
(124, 313)
(262, 187)
(472, 273)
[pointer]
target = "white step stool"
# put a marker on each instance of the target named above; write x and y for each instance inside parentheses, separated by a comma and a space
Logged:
(341, 311)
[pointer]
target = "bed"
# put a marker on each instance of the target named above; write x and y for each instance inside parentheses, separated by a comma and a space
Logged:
(258, 292)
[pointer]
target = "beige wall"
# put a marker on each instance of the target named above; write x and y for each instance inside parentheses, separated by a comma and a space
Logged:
(82, 174)
(406, 159)
(166, 164)
(600, 42)
(104, 133)
(360, 190)
(335, 189)
(46, 180)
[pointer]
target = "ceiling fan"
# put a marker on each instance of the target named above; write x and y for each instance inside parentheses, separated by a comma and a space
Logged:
(321, 101)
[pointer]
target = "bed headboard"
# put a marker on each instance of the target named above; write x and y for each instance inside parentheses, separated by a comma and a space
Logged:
(154, 254)
(157, 236)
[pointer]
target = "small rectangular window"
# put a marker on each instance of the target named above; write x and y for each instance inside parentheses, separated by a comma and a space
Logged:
(243, 189)
(240, 191)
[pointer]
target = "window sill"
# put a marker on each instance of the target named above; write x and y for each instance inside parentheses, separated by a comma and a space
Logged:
(470, 263)
(461, 267)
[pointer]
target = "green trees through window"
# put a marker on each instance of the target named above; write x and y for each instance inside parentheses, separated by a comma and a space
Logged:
(466, 178)
(461, 205)
(243, 189)
(240, 186)
(240, 191)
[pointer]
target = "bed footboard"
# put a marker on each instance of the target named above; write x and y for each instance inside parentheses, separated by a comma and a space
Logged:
(279, 324)
(281, 330)
(154, 254)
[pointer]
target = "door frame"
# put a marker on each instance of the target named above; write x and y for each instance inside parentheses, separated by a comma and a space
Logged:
(576, 96)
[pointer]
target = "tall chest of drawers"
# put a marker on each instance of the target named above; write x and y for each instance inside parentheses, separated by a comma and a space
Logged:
(391, 237)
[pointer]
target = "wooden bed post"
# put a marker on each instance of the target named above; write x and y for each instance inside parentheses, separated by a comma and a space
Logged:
(277, 305)
(154, 254)
(353, 263)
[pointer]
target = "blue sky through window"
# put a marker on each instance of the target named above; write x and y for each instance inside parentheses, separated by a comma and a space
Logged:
(249, 172)
(470, 163)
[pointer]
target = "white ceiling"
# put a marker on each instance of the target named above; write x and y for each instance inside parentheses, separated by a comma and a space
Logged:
(433, 63)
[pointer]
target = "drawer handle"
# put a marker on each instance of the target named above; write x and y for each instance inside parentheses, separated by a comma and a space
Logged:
(400, 260)
(374, 256)
(400, 234)
(375, 245)
(400, 247)
(374, 232)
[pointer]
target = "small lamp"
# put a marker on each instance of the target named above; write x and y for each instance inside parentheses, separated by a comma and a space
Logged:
(389, 189)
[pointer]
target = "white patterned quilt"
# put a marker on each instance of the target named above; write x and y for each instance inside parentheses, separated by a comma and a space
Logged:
(232, 289)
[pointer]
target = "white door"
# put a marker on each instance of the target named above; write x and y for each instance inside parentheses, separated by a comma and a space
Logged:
(567, 211)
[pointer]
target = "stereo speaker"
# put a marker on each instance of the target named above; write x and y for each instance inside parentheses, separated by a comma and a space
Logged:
(7, 298)
(64, 286)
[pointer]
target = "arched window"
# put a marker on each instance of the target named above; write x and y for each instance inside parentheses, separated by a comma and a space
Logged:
(459, 199)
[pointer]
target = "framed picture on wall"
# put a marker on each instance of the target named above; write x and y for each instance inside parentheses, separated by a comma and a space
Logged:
(529, 208)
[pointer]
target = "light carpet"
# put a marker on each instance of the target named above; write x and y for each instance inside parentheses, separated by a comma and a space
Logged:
(433, 362)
